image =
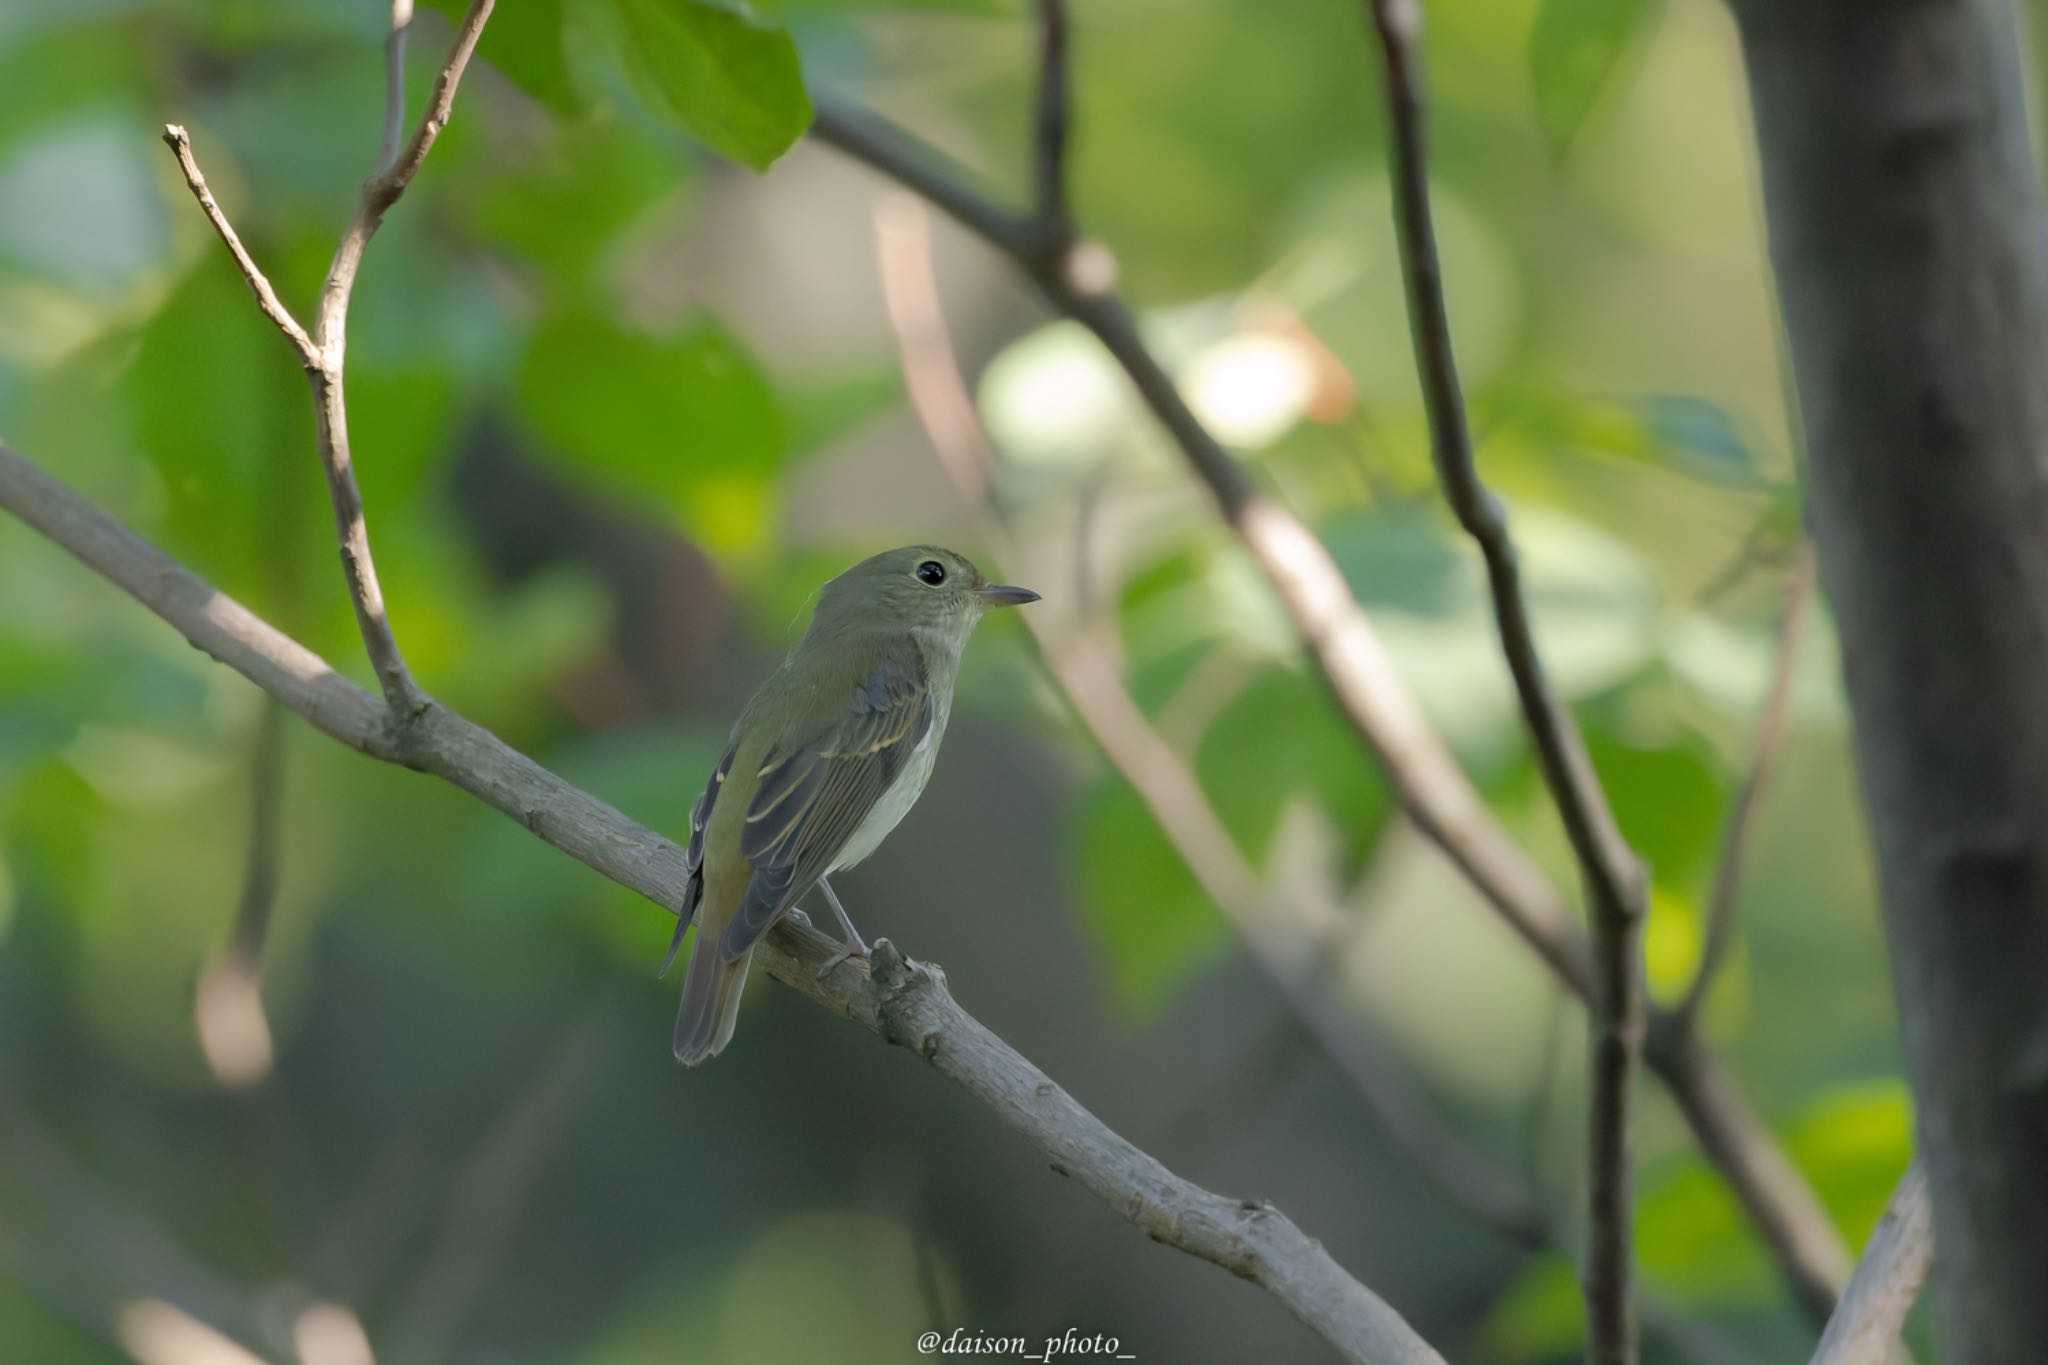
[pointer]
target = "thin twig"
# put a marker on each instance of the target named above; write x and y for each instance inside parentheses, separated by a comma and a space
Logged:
(227, 1006)
(1339, 638)
(266, 798)
(1738, 829)
(330, 333)
(905, 1002)
(324, 353)
(1050, 147)
(273, 308)
(394, 83)
(1866, 1324)
(1612, 875)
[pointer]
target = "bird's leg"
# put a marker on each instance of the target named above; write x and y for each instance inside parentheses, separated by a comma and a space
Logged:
(853, 947)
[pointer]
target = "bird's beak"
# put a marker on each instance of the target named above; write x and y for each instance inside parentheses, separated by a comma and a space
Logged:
(1003, 595)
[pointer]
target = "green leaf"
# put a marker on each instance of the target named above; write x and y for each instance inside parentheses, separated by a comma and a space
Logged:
(1575, 50)
(730, 83)
(1153, 922)
(221, 413)
(1855, 1140)
(1679, 432)
(1668, 799)
(1279, 741)
(524, 41)
(688, 420)
(1592, 599)
(1542, 1314)
(576, 194)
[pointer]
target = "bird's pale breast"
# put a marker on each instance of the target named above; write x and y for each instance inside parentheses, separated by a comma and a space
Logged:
(902, 794)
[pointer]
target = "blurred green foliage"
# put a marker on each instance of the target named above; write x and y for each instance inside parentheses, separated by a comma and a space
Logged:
(618, 405)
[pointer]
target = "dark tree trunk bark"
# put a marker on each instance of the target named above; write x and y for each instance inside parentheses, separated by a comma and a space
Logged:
(1911, 252)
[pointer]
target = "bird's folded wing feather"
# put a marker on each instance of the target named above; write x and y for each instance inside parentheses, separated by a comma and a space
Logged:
(693, 857)
(815, 792)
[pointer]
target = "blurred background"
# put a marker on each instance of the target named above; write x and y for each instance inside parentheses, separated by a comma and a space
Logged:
(321, 1057)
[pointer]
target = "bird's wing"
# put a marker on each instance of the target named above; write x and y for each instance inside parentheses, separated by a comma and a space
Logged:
(693, 857)
(815, 792)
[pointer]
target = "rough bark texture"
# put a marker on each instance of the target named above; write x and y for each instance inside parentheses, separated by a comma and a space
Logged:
(1911, 250)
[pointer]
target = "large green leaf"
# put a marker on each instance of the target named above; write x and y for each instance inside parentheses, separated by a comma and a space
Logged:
(222, 414)
(1152, 921)
(1281, 741)
(688, 421)
(731, 83)
(1575, 50)
(524, 41)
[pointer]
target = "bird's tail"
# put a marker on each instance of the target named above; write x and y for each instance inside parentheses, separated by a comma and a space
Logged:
(711, 1000)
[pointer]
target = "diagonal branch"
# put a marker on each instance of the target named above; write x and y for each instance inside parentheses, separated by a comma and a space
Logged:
(905, 1002)
(1865, 1327)
(1613, 877)
(323, 351)
(273, 308)
(1740, 825)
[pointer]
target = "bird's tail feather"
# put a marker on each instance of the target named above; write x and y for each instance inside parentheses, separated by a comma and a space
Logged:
(711, 1000)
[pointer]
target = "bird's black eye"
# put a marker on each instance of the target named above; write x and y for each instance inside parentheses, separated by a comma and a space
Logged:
(932, 572)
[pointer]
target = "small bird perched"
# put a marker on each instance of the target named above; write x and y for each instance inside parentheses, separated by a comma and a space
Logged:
(827, 757)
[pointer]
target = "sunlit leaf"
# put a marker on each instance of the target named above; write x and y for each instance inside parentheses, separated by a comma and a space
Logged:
(1543, 1315)
(1854, 1142)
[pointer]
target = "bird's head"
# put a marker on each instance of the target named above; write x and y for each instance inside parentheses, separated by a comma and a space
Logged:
(919, 588)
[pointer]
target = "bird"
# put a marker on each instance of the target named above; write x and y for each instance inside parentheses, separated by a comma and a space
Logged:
(824, 761)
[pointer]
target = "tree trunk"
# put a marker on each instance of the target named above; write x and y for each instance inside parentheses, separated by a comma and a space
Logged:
(1911, 252)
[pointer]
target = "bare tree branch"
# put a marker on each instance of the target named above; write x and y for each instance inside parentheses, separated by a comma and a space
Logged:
(1613, 877)
(1341, 643)
(905, 1002)
(330, 334)
(1740, 825)
(324, 351)
(1866, 1324)
(273, 308)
